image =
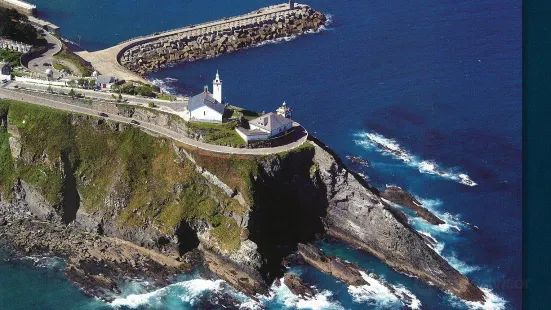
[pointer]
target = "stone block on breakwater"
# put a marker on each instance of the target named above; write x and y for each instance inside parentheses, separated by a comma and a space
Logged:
(235, 34)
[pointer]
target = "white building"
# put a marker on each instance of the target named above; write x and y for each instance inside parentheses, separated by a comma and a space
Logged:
(265, 127)
(272, 124)
(105, 82)
(207, 107)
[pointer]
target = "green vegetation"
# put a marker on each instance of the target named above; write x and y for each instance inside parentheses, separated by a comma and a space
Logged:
(15, 26)
(219, 134)
(156, 185)
(11, 57)
(138, 88)
(239, 113)
(60, 67)
(67, 55)
(166, 97)
(7, 170)
(236, 171)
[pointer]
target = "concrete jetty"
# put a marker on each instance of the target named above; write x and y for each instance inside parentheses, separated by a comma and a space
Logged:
(131, 59)
(21, 6)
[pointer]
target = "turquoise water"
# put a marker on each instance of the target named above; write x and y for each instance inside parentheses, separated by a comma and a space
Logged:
(440, 80)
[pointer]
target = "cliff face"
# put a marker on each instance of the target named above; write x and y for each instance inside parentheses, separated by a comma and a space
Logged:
(246, 214)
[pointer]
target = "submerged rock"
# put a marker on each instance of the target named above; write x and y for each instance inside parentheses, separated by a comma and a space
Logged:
(334, 266)
(297, 286)
(401, 197)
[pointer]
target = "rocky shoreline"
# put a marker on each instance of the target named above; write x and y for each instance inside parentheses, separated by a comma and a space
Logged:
(95, 263)
(186, 207)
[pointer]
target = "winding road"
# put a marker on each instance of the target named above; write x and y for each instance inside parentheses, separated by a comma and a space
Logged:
(32, 99)
(54, 46)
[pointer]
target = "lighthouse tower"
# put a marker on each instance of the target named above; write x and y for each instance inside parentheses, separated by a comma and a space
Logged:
(217, 88)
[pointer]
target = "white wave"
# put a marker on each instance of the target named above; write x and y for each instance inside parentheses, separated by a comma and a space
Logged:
(453, 223)
(392, 148)
(282, 295)
(492, 302)
(46, 261)
(379, 294)
(187, 291)
(294, 36)
(165, 85)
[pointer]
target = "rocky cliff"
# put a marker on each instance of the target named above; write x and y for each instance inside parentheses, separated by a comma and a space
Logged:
(245, 214)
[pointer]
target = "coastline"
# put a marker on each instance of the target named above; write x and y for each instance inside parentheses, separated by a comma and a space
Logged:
(447, 200)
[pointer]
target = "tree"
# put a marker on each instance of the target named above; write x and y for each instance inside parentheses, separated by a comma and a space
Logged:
(81, 82)
(72, 93)
(120, 97)
(92, 83)
(71, 83)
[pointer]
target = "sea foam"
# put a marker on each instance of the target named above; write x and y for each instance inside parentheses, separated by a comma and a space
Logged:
(378, 294)
(186, 292)
(282, 295)
(492, 302)
(391, 147)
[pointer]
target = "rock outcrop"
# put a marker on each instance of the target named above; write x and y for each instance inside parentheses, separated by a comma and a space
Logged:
(297, 286)
(357, 216)
(334, 266)
(400, 197)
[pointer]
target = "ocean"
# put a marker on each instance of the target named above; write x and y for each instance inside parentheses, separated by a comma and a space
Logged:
(428, 91)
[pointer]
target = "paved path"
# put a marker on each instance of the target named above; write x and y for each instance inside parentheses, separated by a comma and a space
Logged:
(106, 61)
(6, 93)
(178, 107)
(54, 46)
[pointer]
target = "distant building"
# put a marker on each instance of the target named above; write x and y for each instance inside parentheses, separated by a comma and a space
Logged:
(5, 71)
(284, 110)
(105, 81)
(207, 107)
(15, 46)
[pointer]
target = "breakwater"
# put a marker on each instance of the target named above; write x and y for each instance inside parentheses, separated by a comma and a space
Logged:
(215, 38)
(21, 6)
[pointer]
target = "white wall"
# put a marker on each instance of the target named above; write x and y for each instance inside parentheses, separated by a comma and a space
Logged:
(274, 132)
(37, 81)
(206, 114)
(277, 131)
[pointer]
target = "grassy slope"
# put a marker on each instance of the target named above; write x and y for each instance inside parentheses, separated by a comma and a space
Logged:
(11, 57)
(159, 187)
(219, 134)
(67, 55)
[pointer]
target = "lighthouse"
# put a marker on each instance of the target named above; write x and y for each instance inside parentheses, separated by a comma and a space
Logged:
(217, 88)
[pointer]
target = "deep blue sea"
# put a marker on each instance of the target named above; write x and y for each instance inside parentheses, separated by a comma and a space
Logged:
(438, 81)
